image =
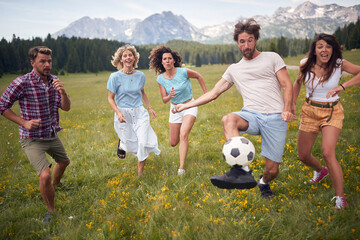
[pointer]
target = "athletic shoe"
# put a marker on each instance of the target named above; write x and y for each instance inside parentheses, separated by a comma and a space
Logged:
(266, 191)
(318, 176)
(235, 178)
(181, 171)
(47, 217)
(340, 202)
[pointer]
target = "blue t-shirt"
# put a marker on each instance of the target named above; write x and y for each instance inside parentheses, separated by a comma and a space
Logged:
(127, 88)
(181, 84)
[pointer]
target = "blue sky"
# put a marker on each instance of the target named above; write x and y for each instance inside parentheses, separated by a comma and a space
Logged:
(37, 18)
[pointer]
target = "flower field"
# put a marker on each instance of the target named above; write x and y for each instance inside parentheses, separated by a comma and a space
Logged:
(105, 199)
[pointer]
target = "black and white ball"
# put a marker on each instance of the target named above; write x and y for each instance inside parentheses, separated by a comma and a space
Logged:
(238, 151)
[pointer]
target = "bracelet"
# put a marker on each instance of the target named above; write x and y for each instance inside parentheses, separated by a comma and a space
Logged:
(150, 107)
(342, 86)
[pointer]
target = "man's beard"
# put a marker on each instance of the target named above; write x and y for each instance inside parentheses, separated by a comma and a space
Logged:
(45, 73)
(248, 53)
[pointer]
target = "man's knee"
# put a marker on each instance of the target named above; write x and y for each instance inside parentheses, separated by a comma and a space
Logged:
(67, 163)
(234, 121)
(227, 119)
(45, 176)
(64, 164)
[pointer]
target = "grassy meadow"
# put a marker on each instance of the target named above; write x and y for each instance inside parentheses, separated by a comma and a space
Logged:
(105, 199)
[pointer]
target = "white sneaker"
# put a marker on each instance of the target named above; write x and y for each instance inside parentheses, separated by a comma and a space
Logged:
(340, 202)
(181, 171)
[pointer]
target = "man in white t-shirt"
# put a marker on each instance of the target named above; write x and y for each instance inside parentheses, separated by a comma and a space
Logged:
(259, 77)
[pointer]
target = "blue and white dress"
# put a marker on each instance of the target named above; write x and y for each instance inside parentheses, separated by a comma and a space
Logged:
(136, 134)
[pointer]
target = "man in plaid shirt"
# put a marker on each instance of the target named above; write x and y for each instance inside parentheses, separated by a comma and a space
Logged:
(40, 95)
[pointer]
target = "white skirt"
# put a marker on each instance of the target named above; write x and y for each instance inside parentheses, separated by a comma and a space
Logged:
(136, 135)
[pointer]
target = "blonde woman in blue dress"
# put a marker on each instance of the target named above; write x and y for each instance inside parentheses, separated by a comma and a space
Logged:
(131, 120)
(175, 87)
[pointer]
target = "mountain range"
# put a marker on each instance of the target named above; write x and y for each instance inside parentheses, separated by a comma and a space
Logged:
(303, 21)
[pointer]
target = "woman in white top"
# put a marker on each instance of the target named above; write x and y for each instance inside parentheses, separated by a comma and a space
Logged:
(131, 120)
(322, 111)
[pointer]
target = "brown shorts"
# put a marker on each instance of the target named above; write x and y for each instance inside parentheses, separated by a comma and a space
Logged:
(314, 118)
(35, 150)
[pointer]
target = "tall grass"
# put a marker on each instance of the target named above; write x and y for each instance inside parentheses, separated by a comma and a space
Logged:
(105, 199)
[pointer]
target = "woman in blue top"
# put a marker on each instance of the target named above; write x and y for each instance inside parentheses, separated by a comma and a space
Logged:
(131, 120)
(175, 86)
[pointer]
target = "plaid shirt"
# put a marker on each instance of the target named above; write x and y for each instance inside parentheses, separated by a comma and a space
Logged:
(37, 101)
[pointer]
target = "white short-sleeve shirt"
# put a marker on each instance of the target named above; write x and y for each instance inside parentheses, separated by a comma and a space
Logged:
(256, 81)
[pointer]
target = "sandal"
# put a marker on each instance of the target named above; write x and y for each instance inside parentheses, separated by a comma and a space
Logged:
(120, 152)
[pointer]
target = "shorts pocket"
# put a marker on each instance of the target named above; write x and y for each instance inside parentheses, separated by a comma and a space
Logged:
(26, 142)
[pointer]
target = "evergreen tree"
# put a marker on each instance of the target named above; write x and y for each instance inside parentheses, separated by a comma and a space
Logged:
(73, 63)
(223, 59)
(354, 39)
(307, 45)
(230, 57)
(198, 61)
(283, 49)
(338, 35)
(273, 47)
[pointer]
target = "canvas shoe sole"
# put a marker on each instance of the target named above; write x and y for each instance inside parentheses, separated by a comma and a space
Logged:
(224, 181)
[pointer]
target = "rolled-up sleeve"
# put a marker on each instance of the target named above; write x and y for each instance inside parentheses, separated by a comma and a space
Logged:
(11, 95)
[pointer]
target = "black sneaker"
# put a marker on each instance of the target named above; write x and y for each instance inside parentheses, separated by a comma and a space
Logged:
(265, 190)
(47, 217)
(235, 178)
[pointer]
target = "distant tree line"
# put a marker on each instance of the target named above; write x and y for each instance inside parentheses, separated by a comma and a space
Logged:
(71, 55)
(349, 35)
(74, 55)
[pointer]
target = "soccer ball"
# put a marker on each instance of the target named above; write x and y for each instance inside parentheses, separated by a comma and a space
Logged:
(238, 151)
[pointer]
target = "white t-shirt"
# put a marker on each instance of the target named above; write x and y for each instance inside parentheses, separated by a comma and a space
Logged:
(319, 94)
(256, 81)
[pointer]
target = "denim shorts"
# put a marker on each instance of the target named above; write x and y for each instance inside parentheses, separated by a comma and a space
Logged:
(272, 130)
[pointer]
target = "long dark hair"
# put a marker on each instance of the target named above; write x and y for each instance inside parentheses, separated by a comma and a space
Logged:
(311, 58)
(156, 58)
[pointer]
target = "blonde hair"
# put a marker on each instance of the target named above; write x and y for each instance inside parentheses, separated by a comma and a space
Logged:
(116, 59)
